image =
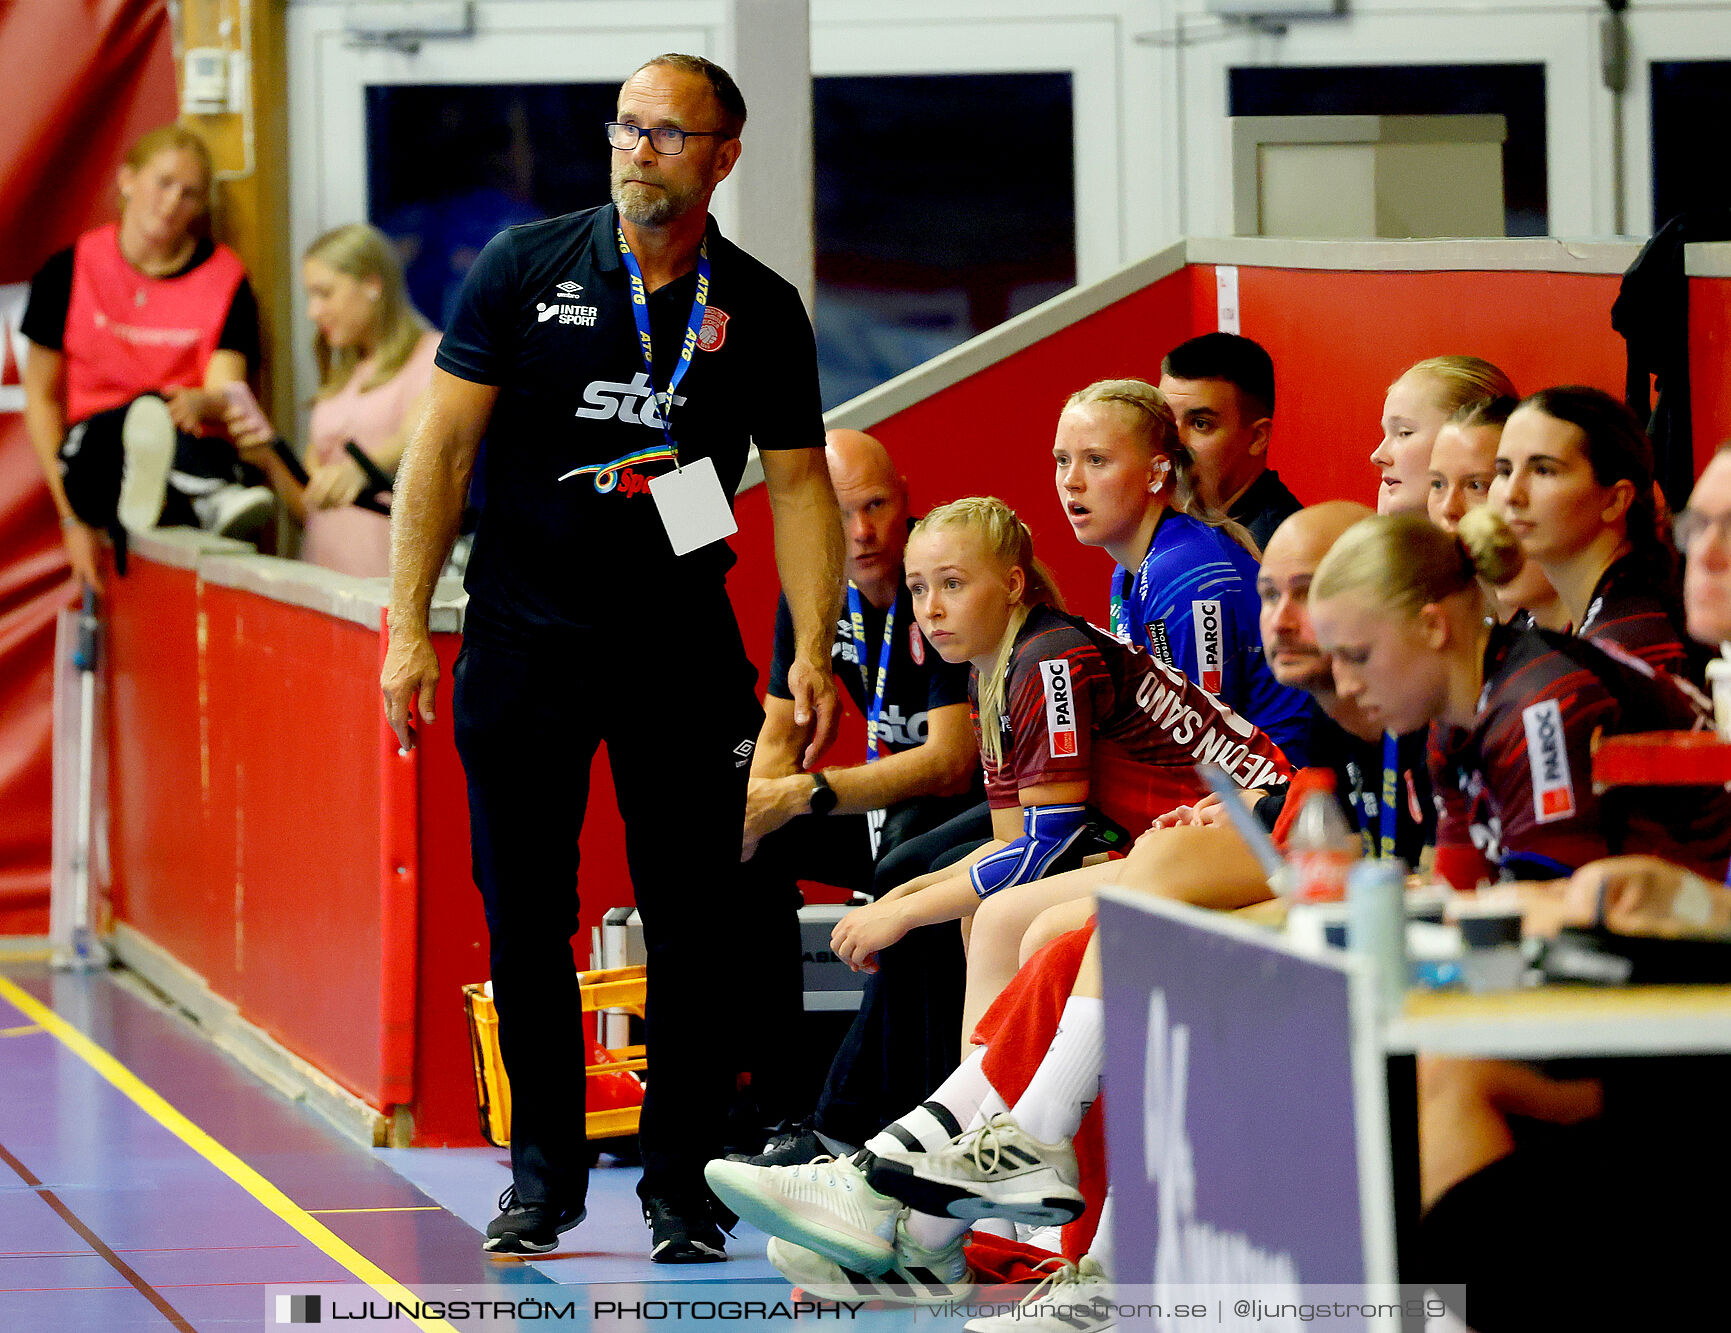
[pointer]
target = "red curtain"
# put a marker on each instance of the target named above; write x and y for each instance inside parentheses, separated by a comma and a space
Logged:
(83, 79)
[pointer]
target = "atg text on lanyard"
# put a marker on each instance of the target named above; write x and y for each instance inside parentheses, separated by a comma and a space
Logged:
(857, 615)
(690, 501)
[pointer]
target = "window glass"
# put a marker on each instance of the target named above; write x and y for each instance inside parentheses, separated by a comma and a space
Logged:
(448, 166)
(945, 204)
(1691, 103)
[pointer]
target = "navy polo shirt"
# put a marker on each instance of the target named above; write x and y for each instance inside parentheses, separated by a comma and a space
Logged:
(569, 536)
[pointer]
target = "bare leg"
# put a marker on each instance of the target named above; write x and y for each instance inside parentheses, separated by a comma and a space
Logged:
(994, 947)
(1088, 977)
(1053, 922)
(1206, 866)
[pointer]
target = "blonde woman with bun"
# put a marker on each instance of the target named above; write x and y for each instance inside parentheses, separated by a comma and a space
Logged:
(1417, 406)
(1396, 604)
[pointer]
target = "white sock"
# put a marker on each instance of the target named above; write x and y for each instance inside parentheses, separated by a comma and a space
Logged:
(1101, 1248)
(933, 1232)
(1067, 1082)
(934, 1122)
(991, 1106)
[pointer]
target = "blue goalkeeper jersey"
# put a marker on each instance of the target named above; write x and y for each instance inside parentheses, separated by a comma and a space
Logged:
(1193, 605)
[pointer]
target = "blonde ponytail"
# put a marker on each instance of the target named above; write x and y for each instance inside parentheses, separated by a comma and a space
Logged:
(1404, 562)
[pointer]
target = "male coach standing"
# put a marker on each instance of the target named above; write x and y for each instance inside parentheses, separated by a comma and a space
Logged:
(620, 361)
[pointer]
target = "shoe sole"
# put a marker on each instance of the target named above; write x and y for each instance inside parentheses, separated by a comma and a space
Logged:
(512, 1243)
(248, 517)
(1034, 1202)
(862, 1252)
(147, 450)
(704, 1254)
(795, 1264)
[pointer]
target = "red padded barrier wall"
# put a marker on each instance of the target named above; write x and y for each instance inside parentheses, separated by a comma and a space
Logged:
(171, 847)
(1709, 365)
(1339, 339)
(248, 810)
(453, 936)
(293, 708)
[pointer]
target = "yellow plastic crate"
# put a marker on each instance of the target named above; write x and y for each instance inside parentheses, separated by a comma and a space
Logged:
(608, 988)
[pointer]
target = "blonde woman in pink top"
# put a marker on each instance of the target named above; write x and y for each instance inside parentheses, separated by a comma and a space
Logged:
(375, 359)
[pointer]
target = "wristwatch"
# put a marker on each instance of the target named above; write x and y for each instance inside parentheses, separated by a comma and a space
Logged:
(823, 798)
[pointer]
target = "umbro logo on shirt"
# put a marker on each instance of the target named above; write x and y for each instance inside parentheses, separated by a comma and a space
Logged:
(567, 310)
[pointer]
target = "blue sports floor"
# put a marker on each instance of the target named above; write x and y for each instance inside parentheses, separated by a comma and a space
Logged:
(148, 1182)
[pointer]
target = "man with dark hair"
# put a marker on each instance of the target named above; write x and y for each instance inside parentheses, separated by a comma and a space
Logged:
(621, 362)
(1221, 388)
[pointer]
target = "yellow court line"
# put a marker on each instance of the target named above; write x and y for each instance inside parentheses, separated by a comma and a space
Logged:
(418, 1208)
(23, 1031)
(153, 1104)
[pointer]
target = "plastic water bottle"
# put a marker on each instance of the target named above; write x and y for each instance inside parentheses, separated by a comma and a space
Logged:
(1376, 926)
(1320, 848)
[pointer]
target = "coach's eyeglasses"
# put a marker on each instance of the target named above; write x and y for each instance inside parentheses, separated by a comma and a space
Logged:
(664, 139)
(1692, 524)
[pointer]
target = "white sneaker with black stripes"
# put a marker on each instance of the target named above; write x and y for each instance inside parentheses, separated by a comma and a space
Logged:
(997, 1170)
(916, 1275)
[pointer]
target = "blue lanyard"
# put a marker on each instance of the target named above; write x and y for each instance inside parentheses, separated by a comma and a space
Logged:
(1390, 784)
(1380, 805)
(1120, 621)
(694, 326)
(857, 614)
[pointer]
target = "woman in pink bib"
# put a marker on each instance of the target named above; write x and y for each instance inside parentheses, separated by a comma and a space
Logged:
(375, 359)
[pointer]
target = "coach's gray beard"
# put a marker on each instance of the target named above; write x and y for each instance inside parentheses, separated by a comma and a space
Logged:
(647, 205)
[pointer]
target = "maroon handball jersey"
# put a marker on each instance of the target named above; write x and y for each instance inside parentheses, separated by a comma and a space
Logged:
(1084, 705)
(1626, 613)
(1519, 785)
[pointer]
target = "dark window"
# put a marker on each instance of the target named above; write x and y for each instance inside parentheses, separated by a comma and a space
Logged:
(1691, 108)
(448, 166)
(1517, 92)
(945, 204)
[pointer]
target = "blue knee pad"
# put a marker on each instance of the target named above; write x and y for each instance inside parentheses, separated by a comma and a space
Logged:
(1048, 831)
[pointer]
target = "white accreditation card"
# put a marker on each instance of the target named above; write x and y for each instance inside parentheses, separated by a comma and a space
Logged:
(693, 507)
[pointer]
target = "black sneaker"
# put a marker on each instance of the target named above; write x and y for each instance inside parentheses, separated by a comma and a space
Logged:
(683, 1234)
(793, 1146)
(528, 1228)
